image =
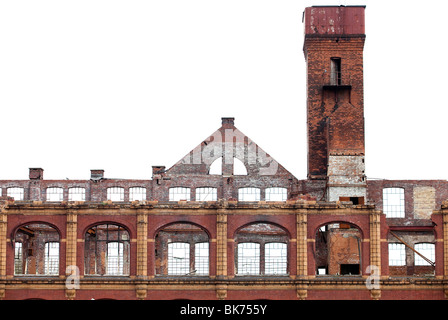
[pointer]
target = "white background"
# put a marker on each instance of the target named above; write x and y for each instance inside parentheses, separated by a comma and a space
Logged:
(124, 85)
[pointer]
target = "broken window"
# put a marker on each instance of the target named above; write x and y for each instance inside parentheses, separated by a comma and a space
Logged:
(36, 250)
(16, 193)
(206, 194)
(182, 249)
(397, 254)
(137, 193)
(76, 194)
(338, 249)
(336, 76)
(55, 194)
(107, 250)
(393, 202)
(249, 194)
(261, 250)
(179, 193)
(276, 194)
(115, 194)
(425, 249)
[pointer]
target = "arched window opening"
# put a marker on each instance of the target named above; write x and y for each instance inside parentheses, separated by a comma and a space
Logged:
(16, 192)
(182, 249)
(338, 249)
(36, 250)
(115, 194)
(55, 194)
(216, 167)
(249, 194)
(137, 193)
(76, 194)
(179, 193)
(276, 194)
(107, 250)
(261, 249)
(239, 168)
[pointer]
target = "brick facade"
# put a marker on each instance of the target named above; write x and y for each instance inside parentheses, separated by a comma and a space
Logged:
(193, 233)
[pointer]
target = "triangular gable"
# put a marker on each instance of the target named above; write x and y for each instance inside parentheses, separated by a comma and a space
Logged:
(228, 142)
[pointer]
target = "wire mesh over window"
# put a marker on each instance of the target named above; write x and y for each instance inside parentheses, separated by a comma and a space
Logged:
(179, 193)
(201, 258)
(397, 254)
(51, 261)
(16, 193)
(76, 194)
(137, 193)
(55, 194)
(206, 194)
(275, 258)
(425, 249)
(178, 258)
(248, 258)
(393, 202)
(276, 194)
(107, 250)
(115, 258)
(115, 194)
(249, 194)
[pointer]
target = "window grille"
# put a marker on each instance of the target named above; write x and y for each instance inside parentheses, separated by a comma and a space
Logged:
(248, 194)
(15, 192)
(51, 258)
(206, 194)
(425, 249)
(115, 194)
(76, 194)
(248, 258)
(397, 254)
(201, 258)
(178, 258)
(137, 193)
(179, 193)
(55, 194)
(115, 258)
(18, 256)
(276, 194)
(393, 202)
(275, 258)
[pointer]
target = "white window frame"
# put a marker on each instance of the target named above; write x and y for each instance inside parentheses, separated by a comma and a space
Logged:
(179, 193)
(115, 258)
(248, 258)
(178, 258)
(137, 193)
(18, 193)
(428, 250)
(18, 258)
(397, 254)
(77, 194)
(206, 194)
(115, 194)
(276, 194)
(393, 202)
(55, 194)
(51, 258)
(201, 258)
(249, 194)
(275, 258)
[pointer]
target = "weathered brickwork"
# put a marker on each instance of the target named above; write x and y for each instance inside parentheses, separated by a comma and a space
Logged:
(203, 230)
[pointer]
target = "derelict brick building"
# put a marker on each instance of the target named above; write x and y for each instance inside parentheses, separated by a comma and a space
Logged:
(228, 221)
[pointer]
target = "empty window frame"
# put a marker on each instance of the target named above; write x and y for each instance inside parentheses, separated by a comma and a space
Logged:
(249, 194)
(115, 194)
(239, 168)
(393, 202)
(427, 250)
(76, 194)
(51, 260)
(16, 193)
(216, 167)
(248, 258)
(36, 250)
(182, 249)
(55, 194)
(178, 258)
(336, 75)
(179, 193)
(276, 194)
(262, 249)
(397, 254)
(107, 250)
(206, 194)
(115, 258)
(137, 193)
(275, 258)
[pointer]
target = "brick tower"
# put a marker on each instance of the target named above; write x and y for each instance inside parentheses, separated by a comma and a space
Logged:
(333, 48)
